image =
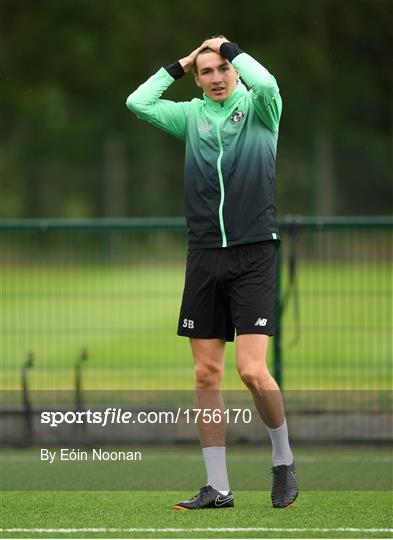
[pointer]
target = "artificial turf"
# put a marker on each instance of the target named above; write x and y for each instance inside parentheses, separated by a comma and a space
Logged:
(118, 513)
(122, 511)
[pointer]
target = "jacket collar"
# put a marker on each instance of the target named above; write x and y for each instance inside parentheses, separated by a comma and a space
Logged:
(228, 103)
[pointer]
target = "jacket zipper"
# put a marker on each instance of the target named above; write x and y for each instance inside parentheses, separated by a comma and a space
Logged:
(220, 177)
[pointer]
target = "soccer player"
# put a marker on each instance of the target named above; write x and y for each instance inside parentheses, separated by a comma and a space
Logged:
(231, 138)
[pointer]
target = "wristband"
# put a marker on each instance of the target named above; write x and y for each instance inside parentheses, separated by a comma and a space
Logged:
(175, 70)
(230, 50)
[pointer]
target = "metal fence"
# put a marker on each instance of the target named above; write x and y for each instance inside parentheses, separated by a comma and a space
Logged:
(101, 297)
(114, 287)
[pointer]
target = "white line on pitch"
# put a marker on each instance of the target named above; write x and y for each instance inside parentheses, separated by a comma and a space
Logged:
(196, 529)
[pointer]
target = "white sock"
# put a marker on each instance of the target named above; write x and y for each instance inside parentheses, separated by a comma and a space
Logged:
(216, 468)
(281, 454)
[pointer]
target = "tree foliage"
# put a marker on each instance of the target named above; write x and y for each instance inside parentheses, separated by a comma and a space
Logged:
(70, 148)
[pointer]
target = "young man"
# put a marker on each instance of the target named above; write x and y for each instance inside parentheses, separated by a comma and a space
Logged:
(231, 138)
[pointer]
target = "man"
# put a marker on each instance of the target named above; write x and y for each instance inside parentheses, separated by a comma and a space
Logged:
(231, 138)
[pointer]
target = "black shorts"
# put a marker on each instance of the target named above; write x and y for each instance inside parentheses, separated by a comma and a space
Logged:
(227, 289)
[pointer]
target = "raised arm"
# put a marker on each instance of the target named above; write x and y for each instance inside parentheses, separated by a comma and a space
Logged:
(265, 92)
(167, 115)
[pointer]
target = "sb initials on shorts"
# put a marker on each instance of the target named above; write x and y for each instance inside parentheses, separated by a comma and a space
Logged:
(229, 289)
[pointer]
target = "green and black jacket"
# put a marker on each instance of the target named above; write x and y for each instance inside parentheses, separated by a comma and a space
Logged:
(230, 151)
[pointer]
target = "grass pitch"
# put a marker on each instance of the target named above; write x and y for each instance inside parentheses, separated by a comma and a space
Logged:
(149, 515)
(338, 513)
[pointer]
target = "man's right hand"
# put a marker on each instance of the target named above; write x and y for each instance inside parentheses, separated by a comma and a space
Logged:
(188, 61)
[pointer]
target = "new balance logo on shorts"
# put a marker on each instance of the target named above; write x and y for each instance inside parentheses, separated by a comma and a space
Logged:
(260, 322)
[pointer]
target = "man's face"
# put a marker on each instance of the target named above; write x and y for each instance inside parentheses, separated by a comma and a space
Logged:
(215, 75)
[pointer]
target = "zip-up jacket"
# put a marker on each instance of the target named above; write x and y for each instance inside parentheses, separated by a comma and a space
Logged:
(229, 178)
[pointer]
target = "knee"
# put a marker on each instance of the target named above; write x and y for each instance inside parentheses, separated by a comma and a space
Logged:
(208, 375)
(254, 377)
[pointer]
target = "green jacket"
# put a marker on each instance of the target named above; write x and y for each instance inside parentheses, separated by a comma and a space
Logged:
(230, 156)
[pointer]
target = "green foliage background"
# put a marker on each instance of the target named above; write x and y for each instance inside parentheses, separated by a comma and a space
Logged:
(70, 148)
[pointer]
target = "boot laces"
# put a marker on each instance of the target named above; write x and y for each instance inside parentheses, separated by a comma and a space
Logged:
(279, 477)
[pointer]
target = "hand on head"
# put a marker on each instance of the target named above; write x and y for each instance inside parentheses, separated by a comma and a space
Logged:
(213, 43)
(188, 61)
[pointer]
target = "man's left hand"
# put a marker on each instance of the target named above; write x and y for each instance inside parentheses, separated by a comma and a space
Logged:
(215, 43)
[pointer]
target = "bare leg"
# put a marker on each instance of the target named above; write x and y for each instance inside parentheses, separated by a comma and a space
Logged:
(251, 363)
(209, 368)
(251, 352)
